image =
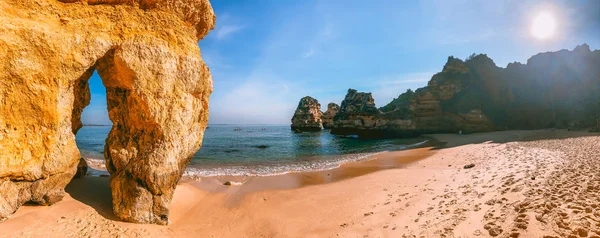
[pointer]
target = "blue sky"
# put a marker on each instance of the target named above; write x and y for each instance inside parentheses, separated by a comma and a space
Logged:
(265, 55)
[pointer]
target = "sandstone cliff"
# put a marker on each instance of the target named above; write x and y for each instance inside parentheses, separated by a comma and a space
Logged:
(554, 89)
(327, 118)
(358, 115)
(307, 116)
(157, 88)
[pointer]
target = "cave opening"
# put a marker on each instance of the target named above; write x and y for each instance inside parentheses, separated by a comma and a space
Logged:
(95, 123)
(106, 86)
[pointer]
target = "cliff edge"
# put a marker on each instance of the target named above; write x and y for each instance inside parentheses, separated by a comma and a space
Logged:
(553, 90)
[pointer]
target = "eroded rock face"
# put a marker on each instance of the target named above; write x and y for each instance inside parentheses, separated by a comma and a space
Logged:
(358, 115)
(308, 115)
(197, 13)
(554, 89)
(158, 88)
(82, 169)
(327, 118)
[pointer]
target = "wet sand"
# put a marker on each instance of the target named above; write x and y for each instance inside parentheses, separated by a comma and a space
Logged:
(381, 161)
(524, 184)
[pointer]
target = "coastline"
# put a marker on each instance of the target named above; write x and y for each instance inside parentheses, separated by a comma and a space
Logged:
(417, 192)
(296, 179)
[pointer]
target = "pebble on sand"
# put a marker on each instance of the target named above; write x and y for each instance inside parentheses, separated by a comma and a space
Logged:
(232, 183)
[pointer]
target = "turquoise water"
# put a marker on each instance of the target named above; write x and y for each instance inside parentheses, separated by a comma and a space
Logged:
(240, 149)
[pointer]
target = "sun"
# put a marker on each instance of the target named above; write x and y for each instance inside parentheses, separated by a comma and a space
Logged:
(543, 26)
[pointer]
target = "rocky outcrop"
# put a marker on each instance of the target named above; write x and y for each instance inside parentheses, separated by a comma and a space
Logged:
(327, 118)
(307, 116)
(358, 115)
(554, 89)
(157, 88)
(82, 169)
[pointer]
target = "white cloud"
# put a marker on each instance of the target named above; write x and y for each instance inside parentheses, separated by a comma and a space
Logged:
(309, 53)
(327, 31)
(321, 38)
(265, 99)
(255, 102)
(226, 30)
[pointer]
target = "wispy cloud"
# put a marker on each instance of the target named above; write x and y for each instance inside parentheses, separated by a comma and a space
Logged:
(453, 39)
(322, 38)
(255, 102)
(327, 30)
(309, 53)
(226, 30)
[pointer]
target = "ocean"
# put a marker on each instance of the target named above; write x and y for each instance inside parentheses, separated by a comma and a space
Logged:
(260, 150)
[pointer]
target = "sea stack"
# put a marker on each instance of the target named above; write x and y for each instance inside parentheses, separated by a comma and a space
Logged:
(308, 115)
(157, 87)
(357, 115)
(327, 117)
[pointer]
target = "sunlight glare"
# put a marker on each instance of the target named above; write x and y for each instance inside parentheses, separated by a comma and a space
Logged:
(543, 26)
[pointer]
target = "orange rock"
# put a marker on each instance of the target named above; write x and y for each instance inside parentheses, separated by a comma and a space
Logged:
(82, 169)
(307, 116)
(157, 87)
(327, 118)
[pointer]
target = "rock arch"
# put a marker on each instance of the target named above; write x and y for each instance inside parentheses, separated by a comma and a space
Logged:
(157, 86)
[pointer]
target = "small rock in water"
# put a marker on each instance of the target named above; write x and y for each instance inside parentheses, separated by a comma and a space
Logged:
(82, 168)
(468, 166)
(232, 183)
(262, 146)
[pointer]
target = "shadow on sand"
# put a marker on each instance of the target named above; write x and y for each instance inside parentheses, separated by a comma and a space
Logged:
(94, 192)
(454, 140)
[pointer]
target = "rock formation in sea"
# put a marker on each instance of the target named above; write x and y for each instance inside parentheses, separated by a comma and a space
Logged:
(307, 116)
(327, 118)
(358, 115)
(157, 87)
(554, 89)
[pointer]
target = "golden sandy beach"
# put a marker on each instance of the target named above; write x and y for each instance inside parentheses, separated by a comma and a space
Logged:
(541, 183)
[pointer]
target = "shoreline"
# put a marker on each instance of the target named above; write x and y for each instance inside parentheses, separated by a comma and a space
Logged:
(428, 193)
(373, 162)
(98, 167)
(377, 161)
(298, 179)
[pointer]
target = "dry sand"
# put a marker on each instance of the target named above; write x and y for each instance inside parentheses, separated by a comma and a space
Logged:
(524, 184)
